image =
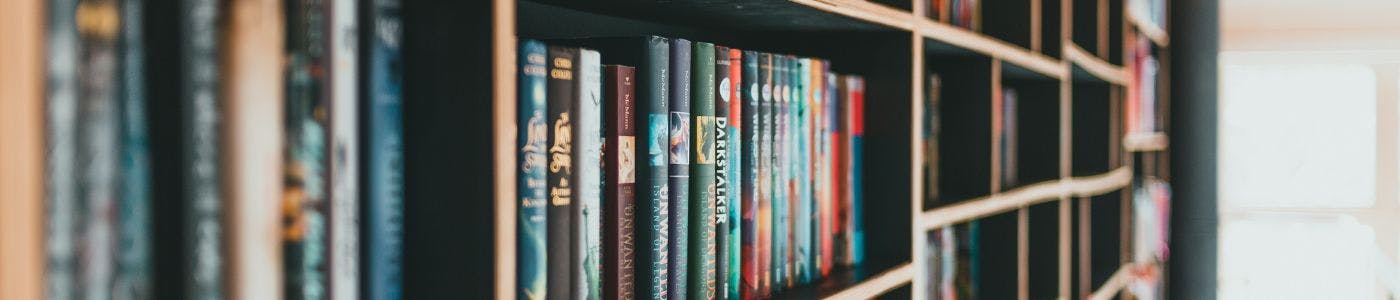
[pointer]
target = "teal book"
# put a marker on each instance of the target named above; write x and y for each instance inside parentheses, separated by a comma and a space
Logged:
(802, 220)
(680, 150)
(780, 171)
(134, 262)
(531, 231)
(702, 173)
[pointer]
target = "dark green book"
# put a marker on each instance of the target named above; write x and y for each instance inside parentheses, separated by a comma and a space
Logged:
(702, 172)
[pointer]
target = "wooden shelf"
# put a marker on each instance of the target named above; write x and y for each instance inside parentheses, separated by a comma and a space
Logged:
(877, 285)
(1145, 142)
(1093, 66)
(1025, 196)
(1118, 281)
(864, 10)
(1145, 26)
(989, 46)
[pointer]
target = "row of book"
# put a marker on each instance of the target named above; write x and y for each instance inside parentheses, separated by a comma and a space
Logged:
(661, 168)
(260, 119)
(1141, 108)
(962, 13)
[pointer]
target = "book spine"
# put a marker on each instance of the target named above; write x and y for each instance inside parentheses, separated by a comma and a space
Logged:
(561, 94)
(723, 166)
(344, 151)
(749, 171)
(588, 138)
(305, 193)
(840, 151)
(857, 119)
(802, 233)
(822, 161)
(930, 135)
(680, 167)
(619, 94)
(654, 174)
(791, 165)
(734, 178)
(1007, 134)
(134, 241)
(253, 108)
(62, 230)
(531, 235)
(200, 51)
(385, 146)
(780, 171)
(97, 144)
(765, 177)
(702, 173)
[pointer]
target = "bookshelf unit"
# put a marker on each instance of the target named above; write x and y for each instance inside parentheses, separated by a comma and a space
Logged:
(1066, 222)
(1065, 58)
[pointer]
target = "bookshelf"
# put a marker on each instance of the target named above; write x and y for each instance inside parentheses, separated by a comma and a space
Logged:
(1068, 59)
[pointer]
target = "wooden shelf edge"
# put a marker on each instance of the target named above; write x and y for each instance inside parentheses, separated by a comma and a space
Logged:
(1095, 65)
(865, 11)
(1153, 31)
(1145, 142)
(1025, 196)
(878, 284)
(1118, 281)
(993, 47)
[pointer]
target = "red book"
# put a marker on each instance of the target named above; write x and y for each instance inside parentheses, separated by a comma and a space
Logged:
(619, 160)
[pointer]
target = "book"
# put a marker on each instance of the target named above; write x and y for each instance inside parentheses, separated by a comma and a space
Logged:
(651, 55)
(702, 173)
(765, 177)
(62, 231)
(253, 92)
(749, 173)
(344, 151)
(821, 161)
(561, 93)
(737, 160)
(791, 169)
(856, 118)
(679, 138)
(780, 173)
(199, 51)
(305, 200)
(531, 226)
(723, 167)
(840, 165)
(587, 162)
(930, 132)
(383, 249)
(97, 146)
(802, 162)
(135, 265)
(1006, 131)
(619, 161)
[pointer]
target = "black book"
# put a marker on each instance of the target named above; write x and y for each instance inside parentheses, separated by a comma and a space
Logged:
(562, 89)
(679, 148)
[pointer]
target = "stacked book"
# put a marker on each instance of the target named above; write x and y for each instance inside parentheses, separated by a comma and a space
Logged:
(748, 181)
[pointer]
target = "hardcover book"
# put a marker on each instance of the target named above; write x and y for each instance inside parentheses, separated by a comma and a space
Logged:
(344, 152)
(832, 244)
(98, 143)
(680, 167)
(305, 192)
(62, 230)
(780, 173)
(531, 231)
(749, 172)
(587, 224)
(562, 94)
(204, 233)
(734, 178)
(384, 147)
(856, 117)
(134, 242)
(702, 173)
(651, 55)
(802, 162)
(766, 176)
(619, 161)
(821, 225)
(723, 165)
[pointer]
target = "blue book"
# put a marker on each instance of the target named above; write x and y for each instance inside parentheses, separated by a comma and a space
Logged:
(531, 233)
(134, 263)
(384, 146)
(679, 146)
